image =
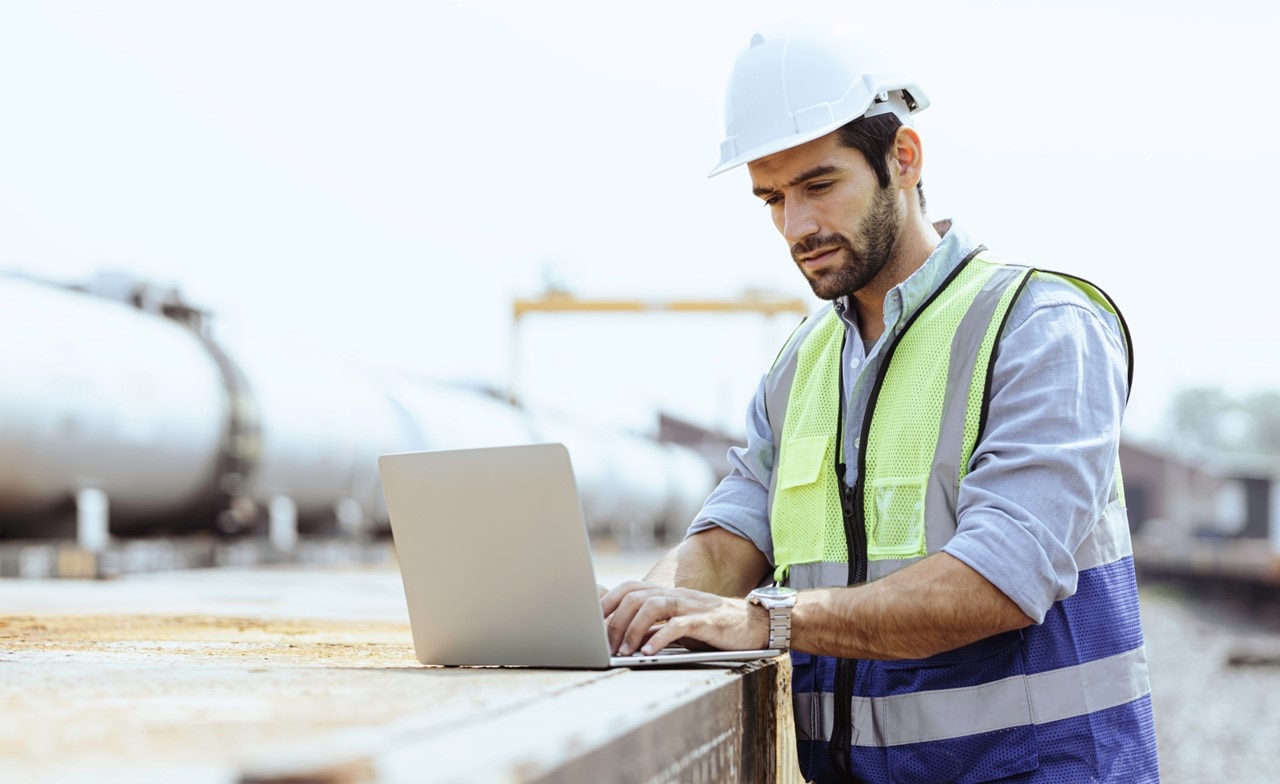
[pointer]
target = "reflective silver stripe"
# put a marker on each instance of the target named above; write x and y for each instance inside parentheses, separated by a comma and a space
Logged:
(940, 499)
(1089, 688)
(818, 575)
(955, 713)
(887, 566)
(832, 575)
(1109, 540)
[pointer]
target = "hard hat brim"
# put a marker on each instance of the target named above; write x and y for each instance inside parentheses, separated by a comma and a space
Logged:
(918, 96)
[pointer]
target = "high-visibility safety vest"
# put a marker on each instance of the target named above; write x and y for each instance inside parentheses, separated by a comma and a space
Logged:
(1066, 700)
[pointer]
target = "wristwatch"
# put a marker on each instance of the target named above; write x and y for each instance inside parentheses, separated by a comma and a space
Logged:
(778, 601)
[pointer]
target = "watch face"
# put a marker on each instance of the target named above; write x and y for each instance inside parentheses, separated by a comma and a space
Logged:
(774, 592)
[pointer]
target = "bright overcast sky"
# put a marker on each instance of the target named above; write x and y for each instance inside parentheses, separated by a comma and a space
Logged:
(380, 179)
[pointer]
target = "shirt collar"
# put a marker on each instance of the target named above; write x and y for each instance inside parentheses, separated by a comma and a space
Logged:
(906, 297)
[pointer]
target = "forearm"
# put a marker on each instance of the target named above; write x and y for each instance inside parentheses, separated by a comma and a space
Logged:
(715, 561)
(932, 606)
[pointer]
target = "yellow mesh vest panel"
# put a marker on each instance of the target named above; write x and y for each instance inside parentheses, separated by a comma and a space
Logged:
(805, 519)
(907, 419)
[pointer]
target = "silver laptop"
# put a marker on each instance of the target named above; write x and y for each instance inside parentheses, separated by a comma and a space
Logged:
(495, 561)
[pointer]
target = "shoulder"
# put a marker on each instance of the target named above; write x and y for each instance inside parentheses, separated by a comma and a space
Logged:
(1060, 326)
(1058, 305)
(1047, 289)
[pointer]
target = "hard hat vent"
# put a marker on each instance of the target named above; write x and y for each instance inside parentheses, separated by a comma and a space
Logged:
(756, 40)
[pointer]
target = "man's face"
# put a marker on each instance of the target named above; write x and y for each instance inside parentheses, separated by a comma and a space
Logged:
(825, 200)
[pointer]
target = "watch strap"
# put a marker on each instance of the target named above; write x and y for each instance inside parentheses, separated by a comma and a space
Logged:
(779, 627)
(779, 610)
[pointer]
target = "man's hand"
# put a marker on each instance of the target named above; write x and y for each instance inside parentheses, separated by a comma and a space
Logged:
(648, 618)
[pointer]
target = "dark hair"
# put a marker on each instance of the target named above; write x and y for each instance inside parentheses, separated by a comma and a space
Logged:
(873, 137)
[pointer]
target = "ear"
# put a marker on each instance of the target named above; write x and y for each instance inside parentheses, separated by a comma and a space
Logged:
(908, 157)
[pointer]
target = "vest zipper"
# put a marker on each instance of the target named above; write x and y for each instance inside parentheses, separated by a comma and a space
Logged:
(847, 669)
(855, 535)
(852, 507)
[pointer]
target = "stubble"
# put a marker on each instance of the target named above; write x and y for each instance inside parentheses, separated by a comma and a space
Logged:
(860, 263)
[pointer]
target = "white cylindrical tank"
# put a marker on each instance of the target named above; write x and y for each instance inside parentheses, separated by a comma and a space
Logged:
(639, 486)
(102, 397)
(593, 466)
(629, 484)
(322, 424)
(99, 395)
(449, 417)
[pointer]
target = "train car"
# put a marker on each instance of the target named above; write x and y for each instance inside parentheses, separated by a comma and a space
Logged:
(1212, 518)
(118, 402)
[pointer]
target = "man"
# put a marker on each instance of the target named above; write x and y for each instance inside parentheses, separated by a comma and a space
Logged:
(931, 463)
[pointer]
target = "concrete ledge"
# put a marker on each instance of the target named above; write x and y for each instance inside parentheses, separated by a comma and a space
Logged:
(707, 724)
(297, 674)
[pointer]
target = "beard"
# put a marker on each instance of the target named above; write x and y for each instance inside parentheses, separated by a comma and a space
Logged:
(858, 264)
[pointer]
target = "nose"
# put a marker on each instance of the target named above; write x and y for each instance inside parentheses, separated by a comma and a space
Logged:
(798, 221)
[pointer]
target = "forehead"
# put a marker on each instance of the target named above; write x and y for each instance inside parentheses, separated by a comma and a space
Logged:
(778, 169)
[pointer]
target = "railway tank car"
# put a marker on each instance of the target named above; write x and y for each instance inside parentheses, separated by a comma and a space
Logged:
(120, 390)
(1209, 518)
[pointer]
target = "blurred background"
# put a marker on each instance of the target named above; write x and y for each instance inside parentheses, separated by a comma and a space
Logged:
(247, 247)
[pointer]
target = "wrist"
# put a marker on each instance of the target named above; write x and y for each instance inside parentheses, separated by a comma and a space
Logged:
(758, 623)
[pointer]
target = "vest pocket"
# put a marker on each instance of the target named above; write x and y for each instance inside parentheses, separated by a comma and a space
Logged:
(896, 529)
(963, 716)
(804, 458)
(806, 526)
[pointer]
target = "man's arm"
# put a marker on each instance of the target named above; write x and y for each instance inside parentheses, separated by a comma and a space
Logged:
(715, 561)
(932, 606)
(929, 607)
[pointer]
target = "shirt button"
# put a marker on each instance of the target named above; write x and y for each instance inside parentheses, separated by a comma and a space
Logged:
(857, 442)
(855, 363)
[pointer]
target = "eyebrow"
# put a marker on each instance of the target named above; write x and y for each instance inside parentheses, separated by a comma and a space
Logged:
(808, 174)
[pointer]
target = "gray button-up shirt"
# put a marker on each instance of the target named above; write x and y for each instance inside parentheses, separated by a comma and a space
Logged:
(1045, 466)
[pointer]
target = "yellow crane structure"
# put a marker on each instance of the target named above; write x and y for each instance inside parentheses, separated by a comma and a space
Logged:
(559, 301)
(556, 301)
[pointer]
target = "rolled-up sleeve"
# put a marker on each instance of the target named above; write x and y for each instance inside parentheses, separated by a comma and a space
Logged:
(739, 504)
(1045, 467)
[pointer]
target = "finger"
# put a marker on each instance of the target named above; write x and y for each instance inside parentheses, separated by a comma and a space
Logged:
(649, 633)
(668, 633)
(656, 608)
(623, 616)
(610, 601)
(601, 591)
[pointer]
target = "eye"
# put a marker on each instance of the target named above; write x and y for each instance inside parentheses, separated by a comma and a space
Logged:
(772, 200)
(820, 187)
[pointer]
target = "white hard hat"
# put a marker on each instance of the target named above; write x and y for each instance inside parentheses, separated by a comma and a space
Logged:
(792, 85)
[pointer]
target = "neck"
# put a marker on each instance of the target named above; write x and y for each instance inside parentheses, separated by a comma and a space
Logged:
(912, 248)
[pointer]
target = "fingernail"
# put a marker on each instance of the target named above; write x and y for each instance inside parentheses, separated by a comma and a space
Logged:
(624, 651)
(647, 650)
